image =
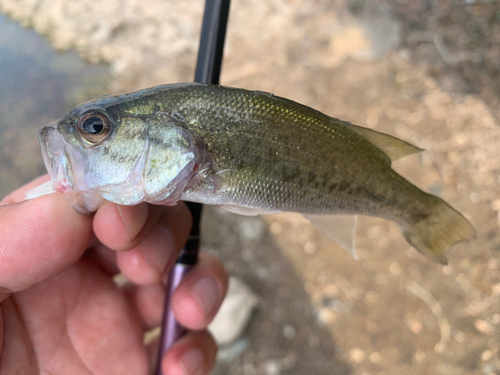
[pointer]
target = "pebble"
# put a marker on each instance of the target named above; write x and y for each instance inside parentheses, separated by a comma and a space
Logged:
(289, 332)
(461, 139)
(475, 197)
(395, 269)
(272, 367)
(275, 228)
(357, 355)
(374, 232)
(327, 316)
(496, 319)
(483, 326)
(371, 297)
(486, 355)
(227, 354)
(415, 326)
(309, 248)
(447, 270)
(375, 358)
(419, 356)
(496, 204)
(401, 77)
(251, 229)
(495, 289)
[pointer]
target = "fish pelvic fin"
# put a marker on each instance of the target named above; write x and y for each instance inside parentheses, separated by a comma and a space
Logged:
(393, 147)
(433, 235)
(340, 228)
(248, 211)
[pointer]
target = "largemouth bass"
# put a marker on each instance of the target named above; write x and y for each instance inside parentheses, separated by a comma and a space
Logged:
(248, 151)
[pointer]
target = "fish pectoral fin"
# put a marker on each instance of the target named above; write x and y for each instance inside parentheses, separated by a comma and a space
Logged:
(393, 147)
(340, 228)
(248, 211)
(224, 171)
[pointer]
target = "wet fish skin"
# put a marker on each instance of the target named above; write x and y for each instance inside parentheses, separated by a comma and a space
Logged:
(250, 150)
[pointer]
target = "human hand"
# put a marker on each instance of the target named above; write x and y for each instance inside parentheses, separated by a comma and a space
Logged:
(62, 313)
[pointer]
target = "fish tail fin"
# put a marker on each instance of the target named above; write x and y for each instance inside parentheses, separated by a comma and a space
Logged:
(441, 229)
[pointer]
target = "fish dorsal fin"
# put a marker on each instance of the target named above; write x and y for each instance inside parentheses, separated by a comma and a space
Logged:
(340, 228)
(248, 211)
(393, 147)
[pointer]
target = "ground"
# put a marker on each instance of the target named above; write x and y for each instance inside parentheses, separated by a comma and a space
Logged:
(422, 72)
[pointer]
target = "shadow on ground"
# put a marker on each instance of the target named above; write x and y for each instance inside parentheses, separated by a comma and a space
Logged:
(286, 335)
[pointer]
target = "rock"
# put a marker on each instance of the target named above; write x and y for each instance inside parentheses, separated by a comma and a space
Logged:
(234, 313)
(227, 354)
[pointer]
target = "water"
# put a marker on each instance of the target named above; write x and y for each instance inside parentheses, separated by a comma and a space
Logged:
(37, 84)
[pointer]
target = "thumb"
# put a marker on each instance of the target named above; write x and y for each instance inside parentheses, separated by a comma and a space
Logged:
(39, 239)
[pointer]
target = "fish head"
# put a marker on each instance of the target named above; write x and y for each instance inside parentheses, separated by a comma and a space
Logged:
(115, 152)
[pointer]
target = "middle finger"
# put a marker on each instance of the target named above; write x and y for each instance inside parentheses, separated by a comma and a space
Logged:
(187, 303)
(148, 238)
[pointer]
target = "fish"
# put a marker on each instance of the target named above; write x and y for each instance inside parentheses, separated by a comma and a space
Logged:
(250, 152)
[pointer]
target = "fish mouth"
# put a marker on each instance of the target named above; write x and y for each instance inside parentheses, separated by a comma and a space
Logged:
(55, 158)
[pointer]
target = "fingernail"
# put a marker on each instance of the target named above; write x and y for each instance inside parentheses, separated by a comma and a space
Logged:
(192, 362)
(134, 218)
(158, 247)
(206, 291)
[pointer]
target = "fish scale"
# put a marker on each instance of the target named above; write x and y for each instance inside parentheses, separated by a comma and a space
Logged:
(257, 135)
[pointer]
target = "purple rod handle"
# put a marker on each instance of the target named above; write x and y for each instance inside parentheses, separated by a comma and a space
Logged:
(172, 330)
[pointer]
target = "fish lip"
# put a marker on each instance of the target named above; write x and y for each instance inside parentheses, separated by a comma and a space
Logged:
(45, 136)
(55, 158)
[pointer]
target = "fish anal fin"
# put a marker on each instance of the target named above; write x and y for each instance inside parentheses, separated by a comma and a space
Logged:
(340, 228)
(393, 147)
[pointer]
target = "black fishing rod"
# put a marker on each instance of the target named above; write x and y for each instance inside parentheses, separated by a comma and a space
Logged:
(208, 67)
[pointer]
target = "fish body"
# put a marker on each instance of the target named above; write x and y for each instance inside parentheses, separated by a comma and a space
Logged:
(248, 151)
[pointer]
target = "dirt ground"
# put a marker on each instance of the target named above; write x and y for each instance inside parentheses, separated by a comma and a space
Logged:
(425, 72)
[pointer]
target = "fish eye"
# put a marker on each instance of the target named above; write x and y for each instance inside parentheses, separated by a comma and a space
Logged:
(93, 127)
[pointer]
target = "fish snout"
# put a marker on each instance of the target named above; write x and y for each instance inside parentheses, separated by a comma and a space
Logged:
(55, 158)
